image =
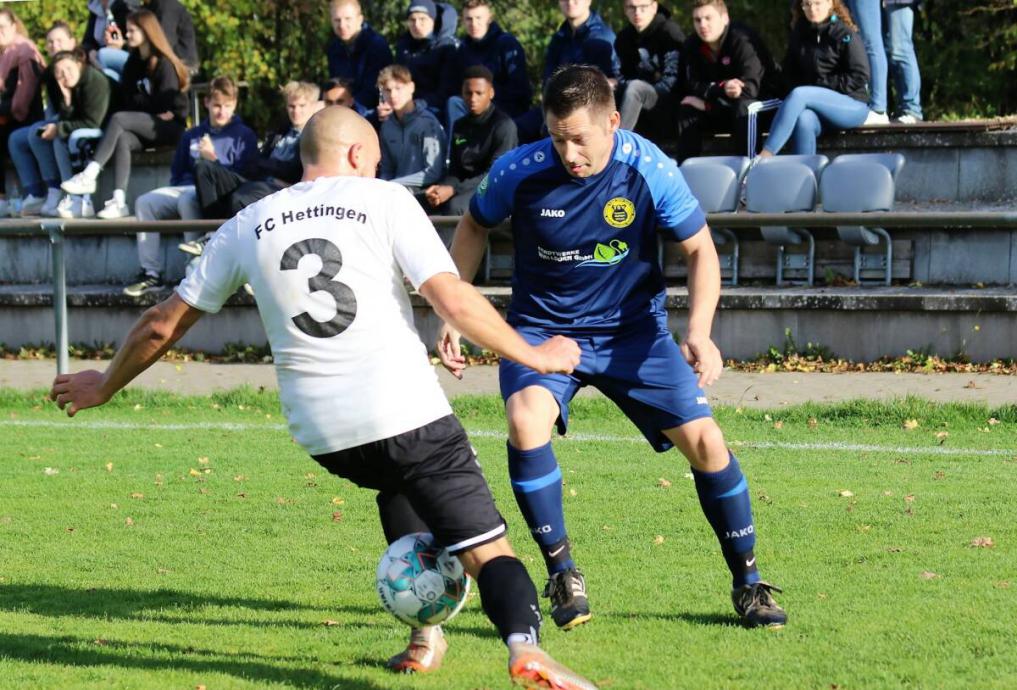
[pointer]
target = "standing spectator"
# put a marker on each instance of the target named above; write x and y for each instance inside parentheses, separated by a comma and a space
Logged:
(357, 52)
(104, 35)
(826, 66)
(412, 140)
(868, 16)
(21, 70)
(428, 49)
(898, 25)
(478, 139)
(223, 140)
(726, 67)
(154, 114)
(649, 50)
(79, 97)
(489, 45)
(178, 26)
(59, 38)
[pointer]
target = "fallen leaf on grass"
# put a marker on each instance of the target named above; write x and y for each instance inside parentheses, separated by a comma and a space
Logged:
(193, 472)
(888, 493)
(1002, 584)
(239, 478)
(158, 445)
(993, 421)
(845, 493)
(928, 575)
(938, 474)
(328, 623)
(572, 492)
(137, 495)
(109, 466)
(337, 516)
(50, 471)
(911, 424)
(336, 501)
(778, 425)
(281, 501)
(910, 498)
(99, 641)
(241, 495)
(982, 543)
(658, 540)
(663, 483)
(813, 422)
(941, 436)
(158, 480)
(864, 528)
(203, 460)
(894, 549)
(129, 522)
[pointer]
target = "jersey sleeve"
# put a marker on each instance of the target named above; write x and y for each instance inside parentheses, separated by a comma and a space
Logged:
(678, 212)
(416, 245)
(218, 273)
(492, 202)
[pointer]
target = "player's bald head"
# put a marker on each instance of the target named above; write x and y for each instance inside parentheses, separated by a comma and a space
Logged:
(333, 136)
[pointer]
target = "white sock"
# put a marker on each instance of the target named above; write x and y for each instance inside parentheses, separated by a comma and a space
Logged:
(92, 170)
(120, 197)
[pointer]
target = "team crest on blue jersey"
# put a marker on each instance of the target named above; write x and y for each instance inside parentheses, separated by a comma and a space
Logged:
(619, 212)
(608, 254)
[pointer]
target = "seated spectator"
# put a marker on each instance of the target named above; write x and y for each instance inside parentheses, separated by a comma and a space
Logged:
(338, 91)
(649, 50)
(154, 111)
(79, 96)
(477, 140)
(223, 192)
(428, 49)
(21, 71)
(221, 140)
(726, 67)
(178, 25)
(487, 44)
(899, 23)
(356, 53)
(412, 139)
(104, 38)
(827, 68)
(59, 38)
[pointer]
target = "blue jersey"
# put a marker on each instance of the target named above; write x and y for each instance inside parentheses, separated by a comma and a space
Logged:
(586, 249)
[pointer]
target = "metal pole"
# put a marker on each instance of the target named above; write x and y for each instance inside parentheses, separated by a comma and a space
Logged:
(56, 238)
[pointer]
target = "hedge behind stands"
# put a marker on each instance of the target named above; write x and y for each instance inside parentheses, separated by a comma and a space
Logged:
(967, 50)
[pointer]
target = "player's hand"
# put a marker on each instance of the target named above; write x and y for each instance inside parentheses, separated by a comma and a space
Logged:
(449, 351)
(733, 88)
(697, 103)
(111, 42)
(383, 111)
(704, 357)
(74, 392)
(559, 355)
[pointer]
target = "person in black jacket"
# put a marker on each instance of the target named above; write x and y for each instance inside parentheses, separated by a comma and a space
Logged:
(357, 53)
(725, 67)
(154, 111)
(428, 48)
(477, 140)
(178, 26)
(829, 72)
(649, 50)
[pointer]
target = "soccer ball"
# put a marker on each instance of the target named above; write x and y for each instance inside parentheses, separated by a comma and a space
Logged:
(420, 583)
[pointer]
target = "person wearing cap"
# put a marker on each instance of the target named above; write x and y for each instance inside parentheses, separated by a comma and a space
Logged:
(357, 53)
(428, 49)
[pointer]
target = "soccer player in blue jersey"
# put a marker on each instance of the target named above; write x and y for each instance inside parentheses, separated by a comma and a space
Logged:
(586, 204)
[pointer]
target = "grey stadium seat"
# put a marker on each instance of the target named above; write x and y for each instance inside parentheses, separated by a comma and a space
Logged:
(715, 182)
(776, 185)
(860, 183)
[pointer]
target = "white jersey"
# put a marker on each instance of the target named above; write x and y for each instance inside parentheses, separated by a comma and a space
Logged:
(326, 260)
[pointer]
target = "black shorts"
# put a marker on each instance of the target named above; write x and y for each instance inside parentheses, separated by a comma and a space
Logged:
(436, 469)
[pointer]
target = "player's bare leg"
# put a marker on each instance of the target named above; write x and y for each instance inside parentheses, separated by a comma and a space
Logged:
(724, 497)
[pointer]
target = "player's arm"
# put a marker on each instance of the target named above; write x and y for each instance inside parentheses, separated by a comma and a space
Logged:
(469, 312)
(704, 293)
(468, 245)
(149, 338)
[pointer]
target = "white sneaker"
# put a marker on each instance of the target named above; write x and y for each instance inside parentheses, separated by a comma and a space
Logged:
(49, 209)
(908, 119)
(113, 210)
(79, 184)
(32, 205)
(5, 208)
(875, 119)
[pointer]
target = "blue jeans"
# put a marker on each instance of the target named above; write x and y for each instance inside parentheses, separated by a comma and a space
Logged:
(899, 22)
(868, 14)
(805, 112)
(113, 61)
(43, 164)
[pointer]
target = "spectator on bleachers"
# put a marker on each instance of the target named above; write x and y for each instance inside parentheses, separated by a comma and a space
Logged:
(178, 25)
(899, 21)
(104, 39)
(154, 111)
(428, 49)
(827, 68)
(60, 38)
(21, 70)
(79, 96)
(868, 17)
(412, 139)
(338, 91)
(223, 192)
(725, 67)
(649, 50)
(487, 44)
(478, 139)
(221, 140)
(357, 52)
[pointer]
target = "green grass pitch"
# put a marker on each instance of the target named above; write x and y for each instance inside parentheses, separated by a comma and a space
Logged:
(170, 542)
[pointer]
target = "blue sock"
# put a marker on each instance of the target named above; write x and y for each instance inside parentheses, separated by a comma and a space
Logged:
(724, 497)
(536, 482)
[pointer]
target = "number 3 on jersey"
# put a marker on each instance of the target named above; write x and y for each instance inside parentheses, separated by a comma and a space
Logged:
(331, 264)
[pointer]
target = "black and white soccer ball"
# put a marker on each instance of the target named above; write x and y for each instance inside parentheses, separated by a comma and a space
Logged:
(419, 582)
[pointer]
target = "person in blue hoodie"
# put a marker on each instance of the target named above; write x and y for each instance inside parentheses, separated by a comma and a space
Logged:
(357, 52)
(428, 49)
(222, 138)
(412, 139)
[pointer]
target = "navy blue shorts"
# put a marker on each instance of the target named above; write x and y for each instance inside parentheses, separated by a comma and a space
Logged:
(641, 370)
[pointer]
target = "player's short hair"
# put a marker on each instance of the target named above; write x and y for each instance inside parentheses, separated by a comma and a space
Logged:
(399, 73)
(225, 87)
(295, 89)
(472, 4)
(572, 87)
(478, 72)
(719, 4)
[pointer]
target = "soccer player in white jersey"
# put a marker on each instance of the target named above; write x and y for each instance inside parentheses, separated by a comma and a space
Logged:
(326, 258)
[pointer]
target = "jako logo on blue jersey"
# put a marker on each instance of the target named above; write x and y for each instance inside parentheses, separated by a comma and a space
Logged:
(608, 254)
(552, 213)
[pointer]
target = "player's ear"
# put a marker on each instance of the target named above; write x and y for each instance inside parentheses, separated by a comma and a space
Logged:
(614, 121)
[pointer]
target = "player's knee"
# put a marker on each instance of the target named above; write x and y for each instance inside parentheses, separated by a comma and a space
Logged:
(530, 416)
(474, 559)
(706, 448)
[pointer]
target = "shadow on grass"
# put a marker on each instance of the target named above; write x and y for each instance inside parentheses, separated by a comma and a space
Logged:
(721, 619)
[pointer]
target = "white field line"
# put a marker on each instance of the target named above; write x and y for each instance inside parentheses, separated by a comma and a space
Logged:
(833, 446)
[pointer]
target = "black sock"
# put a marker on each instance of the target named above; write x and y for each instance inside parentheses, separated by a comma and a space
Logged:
(558, 556)
(510, 599)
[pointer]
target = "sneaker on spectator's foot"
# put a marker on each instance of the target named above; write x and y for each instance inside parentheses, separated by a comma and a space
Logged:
(65, 209)
(87, 209)
(567, 591)
(423, 654)
(145, 283)
(32, 205)
(874, 118)
(113, 210)
(79, 184)
(756, 607)
(249, 289)
(194, 247)
(908, 119)
(5, 208)
(532, 667)
(49, 209)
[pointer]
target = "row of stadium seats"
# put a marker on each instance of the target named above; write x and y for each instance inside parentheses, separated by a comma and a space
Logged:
(852, 183)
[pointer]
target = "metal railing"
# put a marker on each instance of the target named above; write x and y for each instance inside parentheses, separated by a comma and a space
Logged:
(56, 230)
